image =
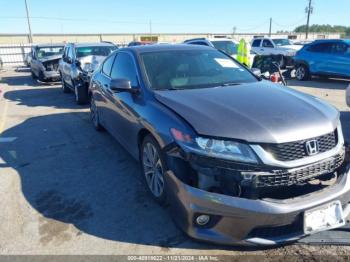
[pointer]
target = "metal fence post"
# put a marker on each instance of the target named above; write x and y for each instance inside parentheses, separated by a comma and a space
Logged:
(23, 53)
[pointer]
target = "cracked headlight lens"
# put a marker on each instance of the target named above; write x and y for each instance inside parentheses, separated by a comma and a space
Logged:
(223, 149)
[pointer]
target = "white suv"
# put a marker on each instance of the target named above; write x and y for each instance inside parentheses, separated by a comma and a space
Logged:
(268, 46)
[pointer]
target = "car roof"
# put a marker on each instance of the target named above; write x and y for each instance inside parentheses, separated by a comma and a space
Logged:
(165, 47)
(331, 41)
(92, 44)
(211, 39)
(49, 45)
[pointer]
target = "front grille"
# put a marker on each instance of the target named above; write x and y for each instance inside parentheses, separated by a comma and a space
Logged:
(270, 232)
(300, 175)
(297, 150)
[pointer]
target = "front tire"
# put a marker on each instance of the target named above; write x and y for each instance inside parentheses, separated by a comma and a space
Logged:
(302, 72)
(153, 168)
(81, 94)
(94, 115)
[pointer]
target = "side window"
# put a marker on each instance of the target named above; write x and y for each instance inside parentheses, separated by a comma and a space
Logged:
(65, 53)
(321, 48)
(256, 43)
(124, 68)
(339, 48)
(267, 43)
(70, 53)
(107, 65)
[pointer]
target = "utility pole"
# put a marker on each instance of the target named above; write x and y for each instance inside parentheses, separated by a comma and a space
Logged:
(270, 30)
(28, 20)
(309, 11)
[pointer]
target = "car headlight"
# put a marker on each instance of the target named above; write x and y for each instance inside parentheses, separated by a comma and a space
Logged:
(223, 149)
(88, 67)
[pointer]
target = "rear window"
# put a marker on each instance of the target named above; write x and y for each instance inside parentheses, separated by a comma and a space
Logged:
(94, 50)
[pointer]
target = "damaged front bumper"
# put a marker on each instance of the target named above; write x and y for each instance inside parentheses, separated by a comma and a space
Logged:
(243, 221)
(52, 75)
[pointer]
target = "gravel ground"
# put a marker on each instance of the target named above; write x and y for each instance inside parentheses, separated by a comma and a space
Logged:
(66, 189)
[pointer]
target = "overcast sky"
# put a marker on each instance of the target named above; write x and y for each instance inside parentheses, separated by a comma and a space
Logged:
(133, 16)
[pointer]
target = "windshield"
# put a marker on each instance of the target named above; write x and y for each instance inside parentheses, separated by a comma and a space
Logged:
(281, 42)
(191, 69)
(94, 50)
(228, 47)
(49, 51)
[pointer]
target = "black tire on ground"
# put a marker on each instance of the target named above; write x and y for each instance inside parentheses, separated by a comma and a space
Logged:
(302, 72)
(41, 77)
(81, 94)
(94, 115)
(65, 88)
(150, 140)
(33, 75)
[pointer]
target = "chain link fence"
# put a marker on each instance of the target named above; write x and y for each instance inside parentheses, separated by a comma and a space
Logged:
(14, 55)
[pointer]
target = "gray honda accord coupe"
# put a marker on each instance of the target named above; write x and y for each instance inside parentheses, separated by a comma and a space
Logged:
(238, 159)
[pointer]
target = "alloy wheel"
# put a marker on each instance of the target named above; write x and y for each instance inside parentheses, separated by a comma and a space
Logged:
(300, 73)
(153, 169)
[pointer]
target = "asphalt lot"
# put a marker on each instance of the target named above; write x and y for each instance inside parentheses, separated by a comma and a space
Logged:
(67, 189)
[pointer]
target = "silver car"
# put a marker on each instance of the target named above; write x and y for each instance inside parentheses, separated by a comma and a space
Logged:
(44, 61)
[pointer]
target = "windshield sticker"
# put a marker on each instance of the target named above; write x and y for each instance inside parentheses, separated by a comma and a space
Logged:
(226, 63)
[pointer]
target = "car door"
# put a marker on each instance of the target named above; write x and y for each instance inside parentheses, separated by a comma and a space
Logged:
(256, 46)
(340, 62)
(319, 58)
(67, 68)
(103, 95)
(124, 117)
(267, 47)
(34, 64)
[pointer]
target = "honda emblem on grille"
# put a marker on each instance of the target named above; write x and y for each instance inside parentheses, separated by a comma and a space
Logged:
(311, 147)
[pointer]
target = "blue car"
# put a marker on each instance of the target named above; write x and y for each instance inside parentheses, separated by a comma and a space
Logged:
(327, 58)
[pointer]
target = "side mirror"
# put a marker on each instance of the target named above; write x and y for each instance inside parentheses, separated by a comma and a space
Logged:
(122, 85)
(69, 60)
(256, 71)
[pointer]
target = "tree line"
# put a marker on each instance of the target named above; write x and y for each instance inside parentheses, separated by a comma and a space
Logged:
(345, 30)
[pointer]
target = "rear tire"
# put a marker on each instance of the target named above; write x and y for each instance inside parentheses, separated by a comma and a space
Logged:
(153, 169)
(302, 72)
(41, 77)
(33, 75)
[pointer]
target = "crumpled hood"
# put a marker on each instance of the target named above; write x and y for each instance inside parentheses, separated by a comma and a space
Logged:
(94, 60)
(51, 58)
(259, 112)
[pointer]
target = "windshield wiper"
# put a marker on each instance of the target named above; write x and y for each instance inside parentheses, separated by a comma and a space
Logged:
(230, 84)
